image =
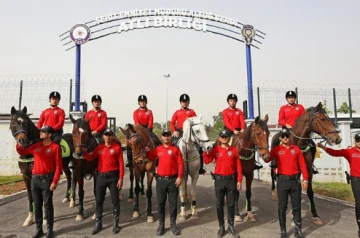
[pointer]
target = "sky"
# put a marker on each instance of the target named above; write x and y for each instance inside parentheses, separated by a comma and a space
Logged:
(306, 41)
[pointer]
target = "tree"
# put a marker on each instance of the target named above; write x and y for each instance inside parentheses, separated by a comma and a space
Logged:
(344, 108)
(213, 131)
(325, 107)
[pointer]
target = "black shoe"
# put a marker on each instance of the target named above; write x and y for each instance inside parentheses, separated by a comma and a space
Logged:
(38, 233)
(174, 230)
(116, 229)
(283, 235)
(221, 232)
(202, 170)
(231, 230)
(314, 169)
(298, 234)
(258, 166)
(97, 228)
(50, 233)
(161, 229)
(71, 165)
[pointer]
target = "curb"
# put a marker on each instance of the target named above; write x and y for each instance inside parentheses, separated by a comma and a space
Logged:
(15, 196)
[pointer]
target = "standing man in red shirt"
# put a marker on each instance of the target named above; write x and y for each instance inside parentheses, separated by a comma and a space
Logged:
(228, 178)
(291, 162)
(168, 179)
(54, 117)
(143, 116)
(177, 121)
(352, 155)
(290, 112)
(97, 117)
(45, 176)
(110, 175)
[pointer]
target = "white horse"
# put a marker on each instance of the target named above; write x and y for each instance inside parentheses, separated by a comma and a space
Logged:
(194, 134)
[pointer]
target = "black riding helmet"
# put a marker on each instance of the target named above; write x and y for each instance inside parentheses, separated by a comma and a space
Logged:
(232, 96)
(357, 136)
(184, 98)
(142, 98)
(290, 94)
(55, 94)
(96, 98)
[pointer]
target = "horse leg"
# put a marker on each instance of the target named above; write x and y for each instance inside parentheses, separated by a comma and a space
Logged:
(142, 187)
(80, 180)
(73, 189)
(30, 218)
(194, 179)
(273, 191)
(94, 191)
(67, 172)
(150, 216)
(131, 190)
(182, 215)
(315, 219)
(249, 180)
(238, 218)
(137, 191)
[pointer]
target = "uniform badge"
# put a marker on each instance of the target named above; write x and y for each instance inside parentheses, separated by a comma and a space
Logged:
(292, 151)
(55, 112)
(99, 114)
(112, 151)
(230, 153)
(169, 152)
(237, 113)
(296, 108)
(187, 112)
(48, 151)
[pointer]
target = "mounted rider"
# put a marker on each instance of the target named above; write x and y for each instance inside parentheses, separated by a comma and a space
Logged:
(234, 121)
(97, 118)
(177, 121)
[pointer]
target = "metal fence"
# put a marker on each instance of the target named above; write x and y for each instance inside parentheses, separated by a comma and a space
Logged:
(33, 91)
(269, 96)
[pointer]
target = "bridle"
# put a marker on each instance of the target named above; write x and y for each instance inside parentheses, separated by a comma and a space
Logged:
(253, 150)
(197, 141)
(141, 140)
(92, 140)
(22, 130)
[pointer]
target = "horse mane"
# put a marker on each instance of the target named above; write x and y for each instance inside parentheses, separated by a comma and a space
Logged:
(186, 130)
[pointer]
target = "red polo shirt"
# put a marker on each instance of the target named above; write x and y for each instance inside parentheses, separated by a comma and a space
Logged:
(143, 117)
(170, 160)
(289, 114)
(179, 117)
(110, 158)
(233, 118)
(53, 117)
(352, 155)
(98, 120)
(227, 161)
(290, 161)
(47, 158)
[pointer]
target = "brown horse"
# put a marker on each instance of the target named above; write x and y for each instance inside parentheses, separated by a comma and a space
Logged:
(26, 133)
(138, 138)
(255, 138)
(83, 140)
(315, 120)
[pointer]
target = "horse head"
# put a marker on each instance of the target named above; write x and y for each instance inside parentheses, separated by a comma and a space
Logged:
(260, 136)
(195, 131)
(22, 128)
(137, 139)
(319, 122)
(81, 134)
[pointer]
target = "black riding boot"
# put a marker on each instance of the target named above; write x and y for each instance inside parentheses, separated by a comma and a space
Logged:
(50, 224)
(98, 220)
(128, 157)
(116, 227)
(202, 168)
(173, 227)
(314, 169)
(161, 229)
(220, 216)
(258, 165)
(282, 221)
(39, 231)
(297, 221)
(231, 216)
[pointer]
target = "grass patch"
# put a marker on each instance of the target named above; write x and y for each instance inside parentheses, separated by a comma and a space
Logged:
(10, 179)
(335, 190)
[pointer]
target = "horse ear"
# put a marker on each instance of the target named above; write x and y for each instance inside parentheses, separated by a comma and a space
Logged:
(319, 107)
(131, 127)
(13, 110)
(266, 118)
(122, 130)
(24, 110)
(72, 119)
(257, 119)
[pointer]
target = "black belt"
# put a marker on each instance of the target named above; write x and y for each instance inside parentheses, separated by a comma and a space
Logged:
(224, 177)
(354, 178)
(109, 174)
(43, 176)
(289, 177)
(166, 177)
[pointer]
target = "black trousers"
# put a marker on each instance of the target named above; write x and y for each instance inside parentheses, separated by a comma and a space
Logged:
(167, 189)
(225, 187)
(102, 183)
(355, 185)
(286, 187)
(56, 137)
(41, 194)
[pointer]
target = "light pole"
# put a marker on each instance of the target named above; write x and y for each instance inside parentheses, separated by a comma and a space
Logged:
(167, 76)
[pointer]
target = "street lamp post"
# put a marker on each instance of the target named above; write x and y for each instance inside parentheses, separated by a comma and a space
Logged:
(167, 76)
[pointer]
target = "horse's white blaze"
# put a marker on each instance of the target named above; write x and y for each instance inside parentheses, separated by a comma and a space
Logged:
(20, 120)
(81, 130)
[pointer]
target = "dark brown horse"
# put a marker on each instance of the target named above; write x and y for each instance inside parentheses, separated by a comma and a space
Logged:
(138, 138)
(254, 139)
(314, 120)
(82, 140)
(26, 133)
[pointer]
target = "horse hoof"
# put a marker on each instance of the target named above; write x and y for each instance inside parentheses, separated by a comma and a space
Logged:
(136, 214)
(93, 217)
(274, 196)
(251, 219)
(238, 219)
(72, 204)
(44, 222)
(150, 219)
(65, 200)
(130, 199)
(79, 218)
(194, 217)
(317, 221)
(182, 218)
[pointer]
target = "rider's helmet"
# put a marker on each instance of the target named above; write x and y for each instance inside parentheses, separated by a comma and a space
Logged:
(284, 131)
(232, 96)
(290, 94)
(55, 94)
(184, 98)
(96, 98)
(224, 132)
(142, 98)
(357, 136)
